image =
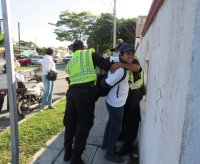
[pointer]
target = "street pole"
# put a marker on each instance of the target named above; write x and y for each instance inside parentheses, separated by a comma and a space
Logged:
(35, 42)
(11, 83)
(97, 48)
(114, 25)
(0, 25)
(19, 37)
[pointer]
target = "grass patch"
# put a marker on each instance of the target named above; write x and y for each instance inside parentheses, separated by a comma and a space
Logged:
(27, 68)
(33, 134)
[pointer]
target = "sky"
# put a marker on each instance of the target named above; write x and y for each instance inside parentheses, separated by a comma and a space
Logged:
(34, 15)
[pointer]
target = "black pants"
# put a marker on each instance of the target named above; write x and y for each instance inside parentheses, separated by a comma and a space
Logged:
(78, 119)
(131, 118)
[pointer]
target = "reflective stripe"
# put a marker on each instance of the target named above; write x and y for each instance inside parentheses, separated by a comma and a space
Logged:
(137, 84)
(88, 71)
(81, 68)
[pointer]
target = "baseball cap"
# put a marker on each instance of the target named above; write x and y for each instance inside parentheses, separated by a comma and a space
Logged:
(116, 48)
(78, 43)
(126, 47)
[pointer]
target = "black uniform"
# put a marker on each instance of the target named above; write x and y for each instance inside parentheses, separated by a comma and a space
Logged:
(131, 118)
(79, 113)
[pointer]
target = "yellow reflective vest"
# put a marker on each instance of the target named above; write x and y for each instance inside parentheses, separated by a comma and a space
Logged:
(80, 68)
(137, 84)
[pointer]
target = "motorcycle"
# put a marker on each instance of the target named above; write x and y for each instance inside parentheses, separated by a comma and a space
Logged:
(28, 100)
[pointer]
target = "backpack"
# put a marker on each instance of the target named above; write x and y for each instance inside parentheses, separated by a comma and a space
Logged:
(104, 91)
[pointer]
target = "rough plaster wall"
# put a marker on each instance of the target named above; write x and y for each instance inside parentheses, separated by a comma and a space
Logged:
(191, 136)
(170, 40)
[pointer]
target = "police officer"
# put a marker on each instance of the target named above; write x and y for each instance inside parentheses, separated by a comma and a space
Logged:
(81, 97)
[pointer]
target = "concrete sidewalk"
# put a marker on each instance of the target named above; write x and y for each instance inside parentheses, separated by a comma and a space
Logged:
(53, 153)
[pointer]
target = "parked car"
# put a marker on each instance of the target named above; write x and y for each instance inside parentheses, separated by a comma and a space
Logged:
(24, 60)
(37, 60)
(57, 59)
(67, 59)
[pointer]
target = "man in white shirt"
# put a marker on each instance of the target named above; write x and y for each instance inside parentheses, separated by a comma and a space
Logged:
(115, 101)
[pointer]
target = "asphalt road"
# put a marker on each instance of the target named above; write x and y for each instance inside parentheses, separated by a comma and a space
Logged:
(60, 89)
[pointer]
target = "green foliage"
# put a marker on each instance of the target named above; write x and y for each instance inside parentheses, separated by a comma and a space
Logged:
(1, 38)
(96, 30)
(33, 134)
(100, 33)
(71, 25)
(62, 48)
(26, 43)
(41, 50)
(126, 30)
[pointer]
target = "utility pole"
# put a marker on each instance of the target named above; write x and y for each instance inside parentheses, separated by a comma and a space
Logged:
(0, 25)
(11, 81)
(114, 25)
(35, 42)
(19, 37)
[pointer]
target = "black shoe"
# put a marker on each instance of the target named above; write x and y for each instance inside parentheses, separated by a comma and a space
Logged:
(68, 154)
(116, 159)
(104, 147)
(77, 161)
(124, 150)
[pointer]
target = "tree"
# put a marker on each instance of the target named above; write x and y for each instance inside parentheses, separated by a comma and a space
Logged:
(26, 44)
(100, 33)
(41, 50)
(1, 38)
(61, 48)
(71, 25)
(126, 30)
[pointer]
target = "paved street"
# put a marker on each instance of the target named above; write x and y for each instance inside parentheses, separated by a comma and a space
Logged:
(60, 89)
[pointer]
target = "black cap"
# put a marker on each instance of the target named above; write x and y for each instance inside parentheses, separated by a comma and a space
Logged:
(116, 48)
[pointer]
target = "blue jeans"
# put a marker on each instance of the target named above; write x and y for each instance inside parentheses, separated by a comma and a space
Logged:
(48, 91)
(113, 128)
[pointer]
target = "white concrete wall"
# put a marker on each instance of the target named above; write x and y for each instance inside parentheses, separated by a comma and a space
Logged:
(170, 54)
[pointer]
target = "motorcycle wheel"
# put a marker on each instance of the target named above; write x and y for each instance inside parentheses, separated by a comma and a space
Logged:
(23, 107)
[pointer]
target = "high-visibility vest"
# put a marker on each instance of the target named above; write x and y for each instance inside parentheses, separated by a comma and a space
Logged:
(80, 68)
(137, 84)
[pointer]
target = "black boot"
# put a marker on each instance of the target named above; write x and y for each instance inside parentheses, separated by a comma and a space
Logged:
(74, 161)
(68, 154)
(125, 149)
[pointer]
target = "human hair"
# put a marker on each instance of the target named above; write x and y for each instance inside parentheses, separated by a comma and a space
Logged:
(121, 53)
(77, 47)
(49, 51)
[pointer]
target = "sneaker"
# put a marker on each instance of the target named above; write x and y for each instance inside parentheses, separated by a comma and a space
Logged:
(116, 159)
(40, 110)
(51, 107)
(68, 154)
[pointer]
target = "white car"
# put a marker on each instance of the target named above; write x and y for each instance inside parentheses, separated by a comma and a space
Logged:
(37, 60)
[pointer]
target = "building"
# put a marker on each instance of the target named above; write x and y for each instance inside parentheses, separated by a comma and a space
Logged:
(169, 53)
